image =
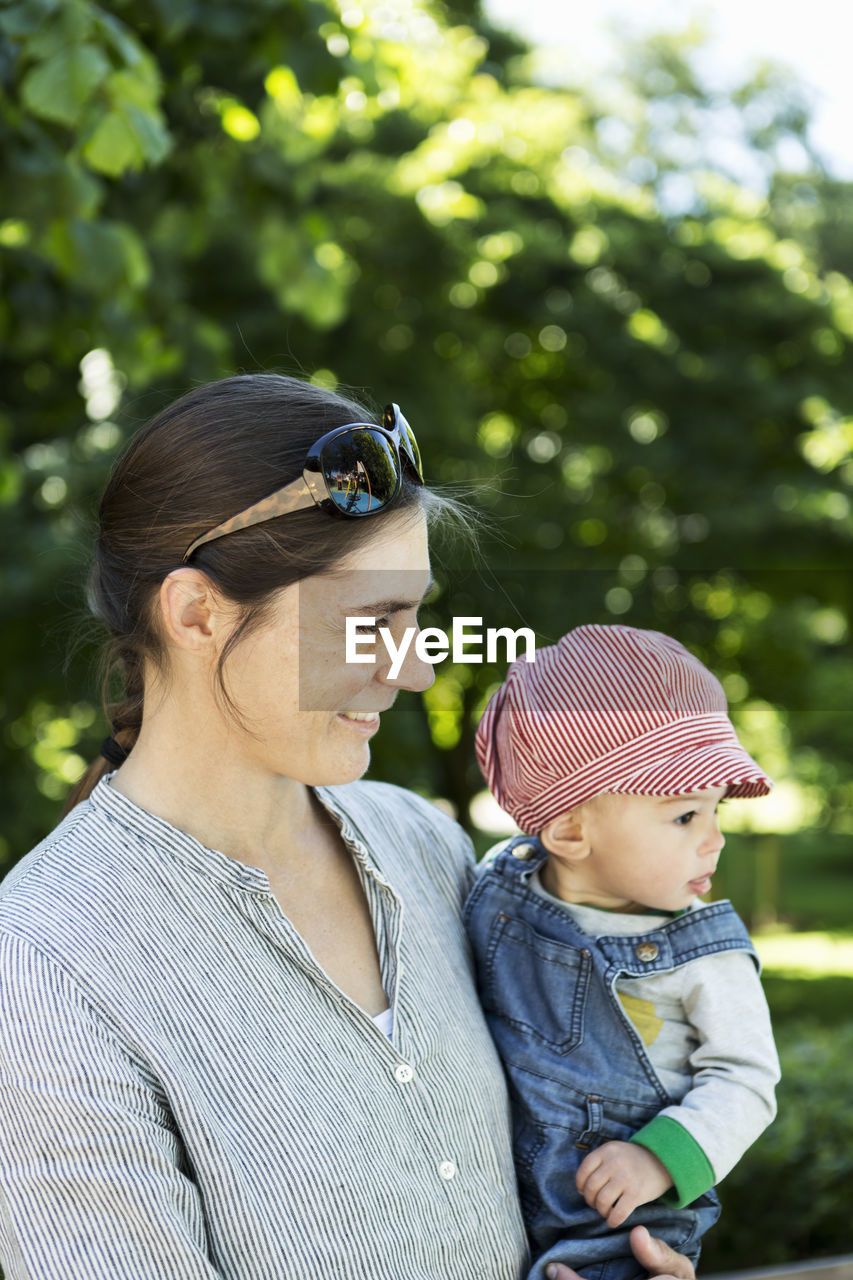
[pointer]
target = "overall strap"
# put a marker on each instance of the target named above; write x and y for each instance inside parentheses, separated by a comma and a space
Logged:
(519, 856)
(709, 929)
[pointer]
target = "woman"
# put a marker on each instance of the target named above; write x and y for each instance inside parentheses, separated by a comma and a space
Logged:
(239, 1035)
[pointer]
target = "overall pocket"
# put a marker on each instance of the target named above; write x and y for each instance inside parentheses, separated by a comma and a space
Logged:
(535, 984)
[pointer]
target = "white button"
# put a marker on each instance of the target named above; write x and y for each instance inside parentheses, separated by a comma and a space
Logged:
(403, 1073)
(447, 1169)
(524, 852)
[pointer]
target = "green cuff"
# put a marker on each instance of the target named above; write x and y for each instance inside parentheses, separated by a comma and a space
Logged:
(686, 1162)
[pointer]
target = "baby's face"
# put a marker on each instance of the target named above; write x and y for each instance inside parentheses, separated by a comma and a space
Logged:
(651, 851)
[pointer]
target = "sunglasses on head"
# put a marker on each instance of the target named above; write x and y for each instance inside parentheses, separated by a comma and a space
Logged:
(353, 471)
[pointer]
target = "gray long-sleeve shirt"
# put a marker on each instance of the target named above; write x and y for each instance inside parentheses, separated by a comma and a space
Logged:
(184, 1093)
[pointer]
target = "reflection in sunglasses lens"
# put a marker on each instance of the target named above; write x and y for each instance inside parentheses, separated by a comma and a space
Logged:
(361, 471)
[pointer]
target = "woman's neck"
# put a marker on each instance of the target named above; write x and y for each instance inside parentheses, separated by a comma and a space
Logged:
(215, 794)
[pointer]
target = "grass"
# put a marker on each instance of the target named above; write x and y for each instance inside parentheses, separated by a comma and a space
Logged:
(806, 955)
(807, 977)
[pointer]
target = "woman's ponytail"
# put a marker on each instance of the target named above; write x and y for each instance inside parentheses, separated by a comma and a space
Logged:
(124, 718)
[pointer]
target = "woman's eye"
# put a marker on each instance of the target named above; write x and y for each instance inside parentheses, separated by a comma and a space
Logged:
(684, 819)
(371, 629)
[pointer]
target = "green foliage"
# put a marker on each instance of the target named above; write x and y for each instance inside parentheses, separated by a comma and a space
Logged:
(813, 875)
(824, 1000)
(789, 1198)
(656, 402)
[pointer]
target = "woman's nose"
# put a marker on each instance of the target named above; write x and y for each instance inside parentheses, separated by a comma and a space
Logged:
(412, 673)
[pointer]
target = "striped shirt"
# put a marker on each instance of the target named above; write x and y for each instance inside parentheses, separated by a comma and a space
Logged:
(184, 1093)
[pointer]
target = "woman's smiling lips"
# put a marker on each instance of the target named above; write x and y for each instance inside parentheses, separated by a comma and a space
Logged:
(363, 722)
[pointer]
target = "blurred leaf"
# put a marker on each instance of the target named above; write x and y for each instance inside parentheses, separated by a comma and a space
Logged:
(59, 88)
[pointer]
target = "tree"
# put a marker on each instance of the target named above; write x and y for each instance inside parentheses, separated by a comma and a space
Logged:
(656, 404)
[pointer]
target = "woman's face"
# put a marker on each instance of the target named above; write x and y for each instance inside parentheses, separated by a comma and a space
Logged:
(305, 712)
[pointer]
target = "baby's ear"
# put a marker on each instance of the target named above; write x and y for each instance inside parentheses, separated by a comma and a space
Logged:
(566, 837)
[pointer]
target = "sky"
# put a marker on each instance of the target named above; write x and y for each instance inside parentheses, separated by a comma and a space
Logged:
(813, 38)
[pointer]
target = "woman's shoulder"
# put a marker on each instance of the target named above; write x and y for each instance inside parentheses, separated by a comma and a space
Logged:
(47, 893)
(83, 877)
(36, 871)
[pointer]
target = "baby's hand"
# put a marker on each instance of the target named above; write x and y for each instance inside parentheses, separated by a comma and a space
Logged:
(619, 1176)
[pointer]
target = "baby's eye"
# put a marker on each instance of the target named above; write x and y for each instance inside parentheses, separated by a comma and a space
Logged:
(684, 819)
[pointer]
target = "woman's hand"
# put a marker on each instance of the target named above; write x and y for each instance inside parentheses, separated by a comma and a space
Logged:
(657, 1258)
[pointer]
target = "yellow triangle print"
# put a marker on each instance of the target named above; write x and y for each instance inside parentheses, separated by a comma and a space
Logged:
(642, 1015)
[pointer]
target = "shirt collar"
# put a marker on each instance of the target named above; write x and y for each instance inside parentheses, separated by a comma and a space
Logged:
(212, 862)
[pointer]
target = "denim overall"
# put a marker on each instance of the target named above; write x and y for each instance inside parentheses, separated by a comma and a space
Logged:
(578, 1072)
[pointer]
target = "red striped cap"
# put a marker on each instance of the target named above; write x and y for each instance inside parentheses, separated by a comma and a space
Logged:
(609, 708)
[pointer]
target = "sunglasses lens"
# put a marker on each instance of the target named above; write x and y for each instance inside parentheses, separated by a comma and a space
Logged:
(360, 468)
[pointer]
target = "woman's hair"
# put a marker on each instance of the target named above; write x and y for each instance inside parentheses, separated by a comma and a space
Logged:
(215, 451)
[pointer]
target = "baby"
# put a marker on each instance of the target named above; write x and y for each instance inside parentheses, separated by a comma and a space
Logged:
(629, 1015)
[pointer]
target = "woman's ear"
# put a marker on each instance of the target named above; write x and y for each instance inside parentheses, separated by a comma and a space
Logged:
(190, 610)
(567, 836)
